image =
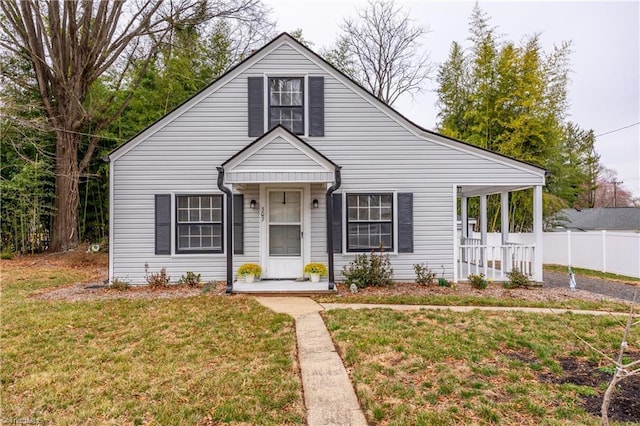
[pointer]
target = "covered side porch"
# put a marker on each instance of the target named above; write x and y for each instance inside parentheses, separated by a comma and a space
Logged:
(475, 255)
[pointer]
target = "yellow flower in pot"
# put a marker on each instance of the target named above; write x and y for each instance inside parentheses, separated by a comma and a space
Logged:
(315, 270)
(249, 271)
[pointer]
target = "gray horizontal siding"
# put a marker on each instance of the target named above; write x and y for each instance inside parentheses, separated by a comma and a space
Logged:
(375, 153)
(278, 154)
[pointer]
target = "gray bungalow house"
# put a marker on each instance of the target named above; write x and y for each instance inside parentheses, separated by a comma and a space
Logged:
(284, 160)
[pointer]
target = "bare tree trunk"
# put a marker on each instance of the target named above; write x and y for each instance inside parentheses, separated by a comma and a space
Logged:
(65, 222)
(622, 370)
(604, 411)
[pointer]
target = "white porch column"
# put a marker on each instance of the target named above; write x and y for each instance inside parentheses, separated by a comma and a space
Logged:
(537, 232)
(504, 227)
(504, 212)
(483, 225)
(464, 217)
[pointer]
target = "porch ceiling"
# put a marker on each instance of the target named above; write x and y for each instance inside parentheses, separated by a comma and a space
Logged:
(477, 190)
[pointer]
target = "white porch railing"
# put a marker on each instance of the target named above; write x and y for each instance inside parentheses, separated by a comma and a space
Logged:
(494, 261)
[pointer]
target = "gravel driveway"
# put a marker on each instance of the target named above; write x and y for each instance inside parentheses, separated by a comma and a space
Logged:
(595, 285)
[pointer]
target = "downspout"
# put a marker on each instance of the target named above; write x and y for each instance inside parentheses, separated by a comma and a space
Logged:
(229, 221)
(336, 184)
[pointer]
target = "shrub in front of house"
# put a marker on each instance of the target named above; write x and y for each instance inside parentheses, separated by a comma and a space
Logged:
(477, 281)
(424, 275)
(443, 282)
(156, 280)
(372, 269)
(119, 284)
(517, 279)
(191, 279)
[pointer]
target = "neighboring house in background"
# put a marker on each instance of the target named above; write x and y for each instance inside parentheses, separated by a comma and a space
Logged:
(598, 219)
(284, 160)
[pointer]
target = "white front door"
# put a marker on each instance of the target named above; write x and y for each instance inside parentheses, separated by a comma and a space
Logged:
(284, 233)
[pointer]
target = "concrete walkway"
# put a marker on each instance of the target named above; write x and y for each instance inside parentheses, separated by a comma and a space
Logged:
(329, 396)
(328, 393)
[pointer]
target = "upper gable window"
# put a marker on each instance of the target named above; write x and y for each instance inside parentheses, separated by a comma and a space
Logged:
(286, 103)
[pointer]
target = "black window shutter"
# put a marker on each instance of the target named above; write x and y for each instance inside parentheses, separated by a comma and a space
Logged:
(405, 222)
(316, 106)
(255, 92)
(238, 223)
(163, 223)
(336, 223)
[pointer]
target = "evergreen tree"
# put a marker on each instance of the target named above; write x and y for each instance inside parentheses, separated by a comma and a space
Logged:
(512, 99)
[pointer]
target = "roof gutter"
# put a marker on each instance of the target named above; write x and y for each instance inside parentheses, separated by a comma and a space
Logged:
(229, 222)
(336, 184)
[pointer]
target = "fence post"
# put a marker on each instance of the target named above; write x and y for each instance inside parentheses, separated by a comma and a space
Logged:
(604, 250)
(569, 248)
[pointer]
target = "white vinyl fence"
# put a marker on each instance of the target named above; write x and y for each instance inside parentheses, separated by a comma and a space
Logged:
(606, 251)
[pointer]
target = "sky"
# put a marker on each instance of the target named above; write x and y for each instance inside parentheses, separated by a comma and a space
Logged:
(604, 92)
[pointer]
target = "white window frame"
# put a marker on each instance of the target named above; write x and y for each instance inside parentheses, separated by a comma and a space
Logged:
(305, 102)
(345, 227)
(174, 219)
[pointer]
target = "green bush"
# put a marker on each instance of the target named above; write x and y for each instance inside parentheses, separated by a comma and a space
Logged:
(208, 286)
(443, 282)
(373, 269)
(159, 280)
(517, 279)
(477, 281)
(119, 284)
(424, 275)
(191, 279)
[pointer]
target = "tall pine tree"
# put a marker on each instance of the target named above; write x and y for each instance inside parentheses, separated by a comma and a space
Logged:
(512, 99)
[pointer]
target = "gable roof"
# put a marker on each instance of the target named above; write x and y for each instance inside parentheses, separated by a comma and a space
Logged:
(600, 218)
(279, 156)
(283, 38)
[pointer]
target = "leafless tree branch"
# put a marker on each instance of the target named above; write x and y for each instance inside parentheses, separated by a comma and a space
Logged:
(384, 44)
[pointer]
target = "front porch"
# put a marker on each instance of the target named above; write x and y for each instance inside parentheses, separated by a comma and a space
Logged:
(496, 259)
(281, 287)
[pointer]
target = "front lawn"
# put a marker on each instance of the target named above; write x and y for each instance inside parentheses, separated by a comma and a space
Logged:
(205, 359)
(446, 368)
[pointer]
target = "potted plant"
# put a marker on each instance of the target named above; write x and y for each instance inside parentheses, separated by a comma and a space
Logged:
(315, 270)
(249, 271)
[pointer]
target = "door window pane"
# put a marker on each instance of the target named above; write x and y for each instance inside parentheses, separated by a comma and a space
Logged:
(284, 207)
(284, 240)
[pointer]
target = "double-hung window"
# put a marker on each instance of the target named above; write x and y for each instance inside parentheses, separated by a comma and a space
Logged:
(199, 224)
(286, 103)
(369, 222)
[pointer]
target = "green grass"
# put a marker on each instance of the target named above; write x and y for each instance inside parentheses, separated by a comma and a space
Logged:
(460, 300)
(592, 273)
(172, 361)
(445, 368)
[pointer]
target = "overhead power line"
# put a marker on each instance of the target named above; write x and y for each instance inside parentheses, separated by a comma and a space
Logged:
(618, 129)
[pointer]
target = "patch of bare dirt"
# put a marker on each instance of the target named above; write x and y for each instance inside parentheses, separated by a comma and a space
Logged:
(101, 291)
(625, 404)
(542, 294)
(97, 289)
(81, 257)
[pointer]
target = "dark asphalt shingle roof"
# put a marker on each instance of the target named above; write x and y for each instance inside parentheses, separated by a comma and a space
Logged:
(600, 218)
